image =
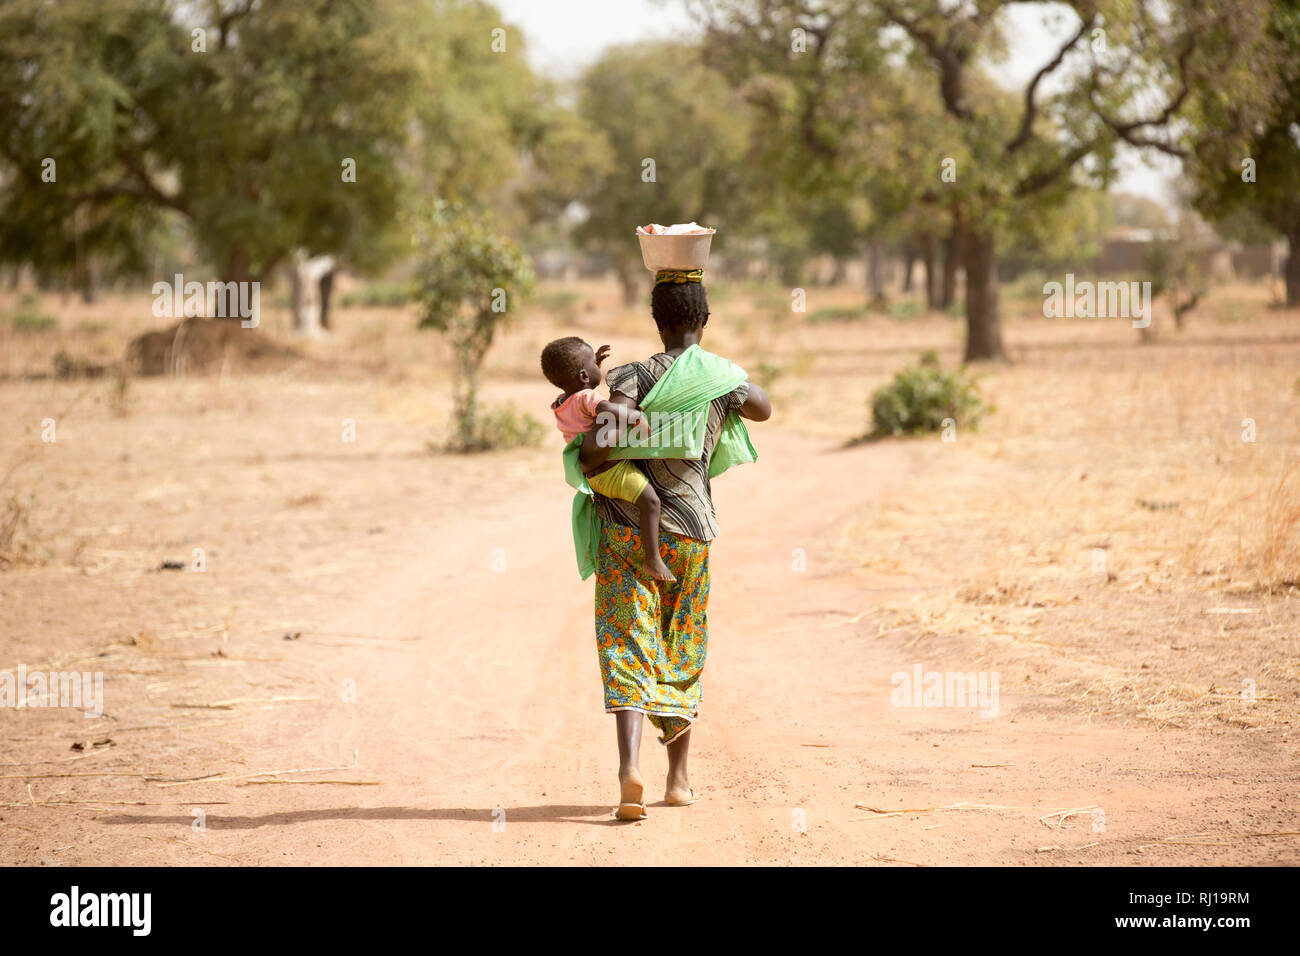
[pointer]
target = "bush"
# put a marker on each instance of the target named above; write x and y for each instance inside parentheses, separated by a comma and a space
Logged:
(905, 310)
(496, 428)
(470, 273)
(838, 314)
(387, 295)
(29, 317)
(18, 545)
(922, 396)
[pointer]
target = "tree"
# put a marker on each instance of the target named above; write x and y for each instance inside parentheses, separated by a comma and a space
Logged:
(1126, 71)
(60, 121)
(1249, 178)
(279, 132)
(676, 134)
(247, 128)
(823, 139)
(469, 280)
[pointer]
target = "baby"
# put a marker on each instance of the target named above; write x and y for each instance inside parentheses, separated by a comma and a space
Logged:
(572, 366)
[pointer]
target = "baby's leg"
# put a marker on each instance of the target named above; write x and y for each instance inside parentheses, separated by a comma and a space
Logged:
(647, 503)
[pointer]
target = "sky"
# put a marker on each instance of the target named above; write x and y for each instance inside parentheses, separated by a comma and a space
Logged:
(564, 36)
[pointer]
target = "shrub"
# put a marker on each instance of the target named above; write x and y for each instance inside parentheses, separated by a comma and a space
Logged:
(30, 318)
(921, 396)
(469, 275)
(18, 545)
(838, 314)
(387, 295)
(496, 428)
(905, 310)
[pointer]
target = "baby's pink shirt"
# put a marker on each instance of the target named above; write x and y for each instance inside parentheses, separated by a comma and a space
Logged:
(575, 415)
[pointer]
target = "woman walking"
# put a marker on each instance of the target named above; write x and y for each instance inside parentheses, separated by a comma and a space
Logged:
(652, 636)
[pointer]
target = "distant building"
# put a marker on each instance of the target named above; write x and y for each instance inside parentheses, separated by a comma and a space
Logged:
(1126, 251)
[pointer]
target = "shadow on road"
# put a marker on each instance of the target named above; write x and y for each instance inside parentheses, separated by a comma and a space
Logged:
(558, 813)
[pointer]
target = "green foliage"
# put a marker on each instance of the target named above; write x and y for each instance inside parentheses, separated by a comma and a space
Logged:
(903, 311)
(659, 102)
(388, 295)
(1266, 204)
(468, 267)
(837, 314)
(245, 141)
(1177, 272)
(922, 396)
(1173, 266)
(28, 317)
(470, 277)
(497, 428)
(1027, 288)
(887, 92)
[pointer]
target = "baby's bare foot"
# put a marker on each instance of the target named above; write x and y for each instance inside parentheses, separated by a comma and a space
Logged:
(655, 567)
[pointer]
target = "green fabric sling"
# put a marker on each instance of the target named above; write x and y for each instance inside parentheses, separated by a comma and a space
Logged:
(681, 399)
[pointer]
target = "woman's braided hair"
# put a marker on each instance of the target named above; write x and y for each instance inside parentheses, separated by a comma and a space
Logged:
(679, 306)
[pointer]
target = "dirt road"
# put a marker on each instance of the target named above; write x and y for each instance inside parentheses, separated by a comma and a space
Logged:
(450, 646)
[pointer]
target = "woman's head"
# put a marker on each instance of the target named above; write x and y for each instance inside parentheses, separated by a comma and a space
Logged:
(679, 307)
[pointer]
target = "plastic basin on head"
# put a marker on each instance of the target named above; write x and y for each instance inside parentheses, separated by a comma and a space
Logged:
(675, 252)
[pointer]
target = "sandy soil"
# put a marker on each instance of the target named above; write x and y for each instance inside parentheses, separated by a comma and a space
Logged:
(442, 636)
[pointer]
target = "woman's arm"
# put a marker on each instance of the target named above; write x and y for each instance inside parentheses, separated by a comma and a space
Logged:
(757, 407)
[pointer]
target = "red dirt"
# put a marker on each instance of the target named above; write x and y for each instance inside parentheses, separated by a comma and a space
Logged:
(477, 696)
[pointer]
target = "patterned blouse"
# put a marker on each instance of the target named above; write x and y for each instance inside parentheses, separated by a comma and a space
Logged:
(682, 485)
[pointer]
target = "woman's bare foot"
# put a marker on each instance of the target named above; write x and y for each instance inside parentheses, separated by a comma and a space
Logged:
(631, 795)
(681, 797)
(678, 792)
(655, 567)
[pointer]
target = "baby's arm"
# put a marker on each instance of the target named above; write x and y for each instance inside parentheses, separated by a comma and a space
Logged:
(612, 417)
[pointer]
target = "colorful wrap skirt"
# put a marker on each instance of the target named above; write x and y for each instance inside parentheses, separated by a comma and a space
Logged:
(652, 636)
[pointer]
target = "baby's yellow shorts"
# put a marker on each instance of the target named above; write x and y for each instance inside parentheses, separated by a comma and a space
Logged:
(624, 481)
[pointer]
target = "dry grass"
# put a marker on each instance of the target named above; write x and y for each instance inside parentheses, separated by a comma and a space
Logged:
(1084, 541)
(1090, 538)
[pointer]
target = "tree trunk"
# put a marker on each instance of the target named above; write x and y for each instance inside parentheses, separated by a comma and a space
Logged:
(627, 272)
(931, 280)
(875, 281)
(909, 260)
(84, 280)
(238, 266)
(837, 273)
(1293, 270)
(305, 297)
(983, 324)
(952, 256)
(326, 287)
